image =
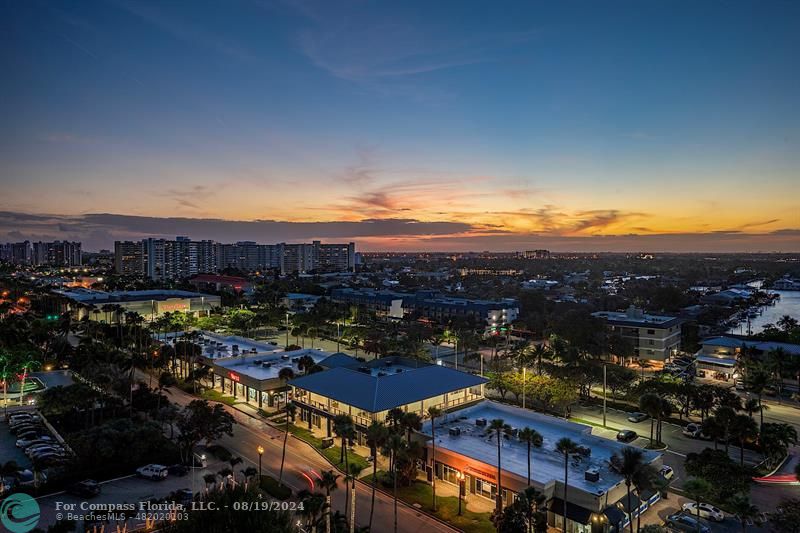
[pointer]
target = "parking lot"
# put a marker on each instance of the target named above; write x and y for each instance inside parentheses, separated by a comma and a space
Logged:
(129, 489)
(8, 449)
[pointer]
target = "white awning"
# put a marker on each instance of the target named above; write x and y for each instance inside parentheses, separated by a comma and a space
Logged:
(716, 361)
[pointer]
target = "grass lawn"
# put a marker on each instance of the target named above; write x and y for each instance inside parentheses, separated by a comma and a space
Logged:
(333, 453)
(421, 493)
(591, 423)
(216, 396)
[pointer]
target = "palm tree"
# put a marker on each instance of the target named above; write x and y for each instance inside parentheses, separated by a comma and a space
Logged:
(757, 380)
(725, 416)
(743, 429)
(531, 500)
(329, 482)
(650, 404)
(433, 413)
(566, 446)
(540, 352)
(376, 438)
(628, 466)
(394, 445)
(498, 428)
(697, 488)
(285, 374)
(533, 439)
(411, 422)
(6, 374)
(743, 510)
(26, 364)
(343, 427)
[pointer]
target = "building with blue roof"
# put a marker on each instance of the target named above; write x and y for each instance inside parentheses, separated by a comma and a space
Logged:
(367, 391)
(719, 354)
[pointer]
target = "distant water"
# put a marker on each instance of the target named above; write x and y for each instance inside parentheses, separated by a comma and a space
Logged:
(789, 304)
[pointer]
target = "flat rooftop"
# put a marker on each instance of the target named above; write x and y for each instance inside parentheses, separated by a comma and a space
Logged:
(101, 297)
(546, 463)
(639, 319)
(223, 346)
(264, 367)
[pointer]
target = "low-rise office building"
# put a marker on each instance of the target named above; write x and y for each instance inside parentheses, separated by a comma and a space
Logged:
(367, 391)
(596, 493)
(720, 354)
(653, 337)
(110, 307)
(430, 305)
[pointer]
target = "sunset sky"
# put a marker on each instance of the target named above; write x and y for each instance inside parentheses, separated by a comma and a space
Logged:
(641, 125)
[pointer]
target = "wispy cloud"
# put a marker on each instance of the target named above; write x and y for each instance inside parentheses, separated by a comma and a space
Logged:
(183, 30)
(354, 44)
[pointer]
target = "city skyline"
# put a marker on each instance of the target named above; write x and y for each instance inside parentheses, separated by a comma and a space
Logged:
(447, 127)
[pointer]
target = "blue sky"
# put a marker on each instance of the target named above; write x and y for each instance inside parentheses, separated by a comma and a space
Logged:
(578, 125)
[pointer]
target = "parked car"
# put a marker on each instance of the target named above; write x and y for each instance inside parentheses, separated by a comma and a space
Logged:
(637, 417)
(30, 450)
(27, 426)
(26, 478)
(154, 472)
(43, 444)
(693, 430)
(88, 488)
(39, 454)
(178, 470)
(182, 496)
(30, 435)
(42, 439)
(667, 472)
(16, 418)
(770, 390)
(682, 522)
(627, 435)
(707, 511)
(739, 384)
(701, 373)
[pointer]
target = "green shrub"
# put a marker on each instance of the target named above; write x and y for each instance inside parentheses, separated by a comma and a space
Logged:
(270, 485)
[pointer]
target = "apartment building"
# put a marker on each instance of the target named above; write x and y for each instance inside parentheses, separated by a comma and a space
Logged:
(654, 337)
(56, 253)
(163, 259)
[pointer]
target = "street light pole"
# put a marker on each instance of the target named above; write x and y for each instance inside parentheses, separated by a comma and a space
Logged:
(338, 336)
(524, 381)
(287, 329)
(260, 451)
(605, 366)
(461, 480)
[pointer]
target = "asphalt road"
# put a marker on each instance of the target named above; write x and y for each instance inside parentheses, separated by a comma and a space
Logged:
(301, 461)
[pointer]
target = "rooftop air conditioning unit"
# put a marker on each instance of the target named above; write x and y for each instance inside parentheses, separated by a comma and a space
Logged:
(455, 432)
(398, 370)
(592, 475)
(389, 363)
(480, 421)
(381, 374)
